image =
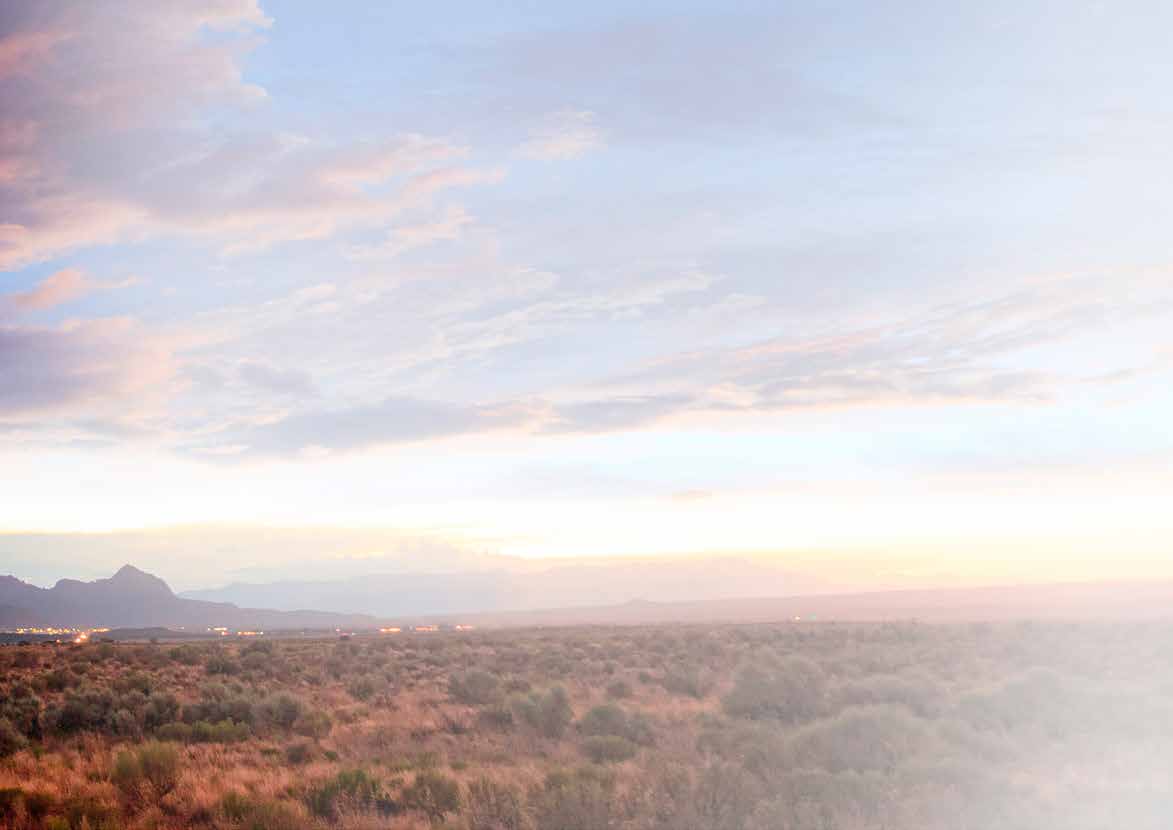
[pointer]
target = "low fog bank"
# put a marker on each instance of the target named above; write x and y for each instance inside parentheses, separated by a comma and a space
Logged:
(1040, 726)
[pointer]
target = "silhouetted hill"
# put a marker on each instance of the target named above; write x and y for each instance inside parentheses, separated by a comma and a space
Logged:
(134, 599)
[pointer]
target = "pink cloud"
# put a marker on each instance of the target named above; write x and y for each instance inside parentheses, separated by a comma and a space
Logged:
(377, 162)
(56, 289)
(425, 184)
(101, 138)
(20, 52)
(104, 366)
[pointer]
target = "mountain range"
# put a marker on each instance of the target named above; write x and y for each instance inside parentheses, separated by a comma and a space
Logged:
(132, 598)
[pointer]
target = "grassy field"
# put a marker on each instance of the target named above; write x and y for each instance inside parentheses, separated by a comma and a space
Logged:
(763, 727)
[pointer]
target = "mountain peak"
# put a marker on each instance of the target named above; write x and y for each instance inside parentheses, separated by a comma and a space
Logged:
(131, 578)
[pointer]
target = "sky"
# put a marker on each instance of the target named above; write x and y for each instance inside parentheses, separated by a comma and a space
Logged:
(291, 287)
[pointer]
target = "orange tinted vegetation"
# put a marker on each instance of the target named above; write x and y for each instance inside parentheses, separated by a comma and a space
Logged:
(766, 727)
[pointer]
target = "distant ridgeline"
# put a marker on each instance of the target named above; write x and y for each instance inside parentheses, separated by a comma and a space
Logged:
(137, 601)
(134, 599)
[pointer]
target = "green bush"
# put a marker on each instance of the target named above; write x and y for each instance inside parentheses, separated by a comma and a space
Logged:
(224, 732)
(864, 738)
(22, 709)
(87, 811)
(814, 800)
(186, 654)
(11, 738)
(81, 710)
(127, 772)
(235, 806)
(548, 712)
(162, 708)
(362, 688)
(160, 766)
(610, 719)
(299, 753)
(792, 689)
(608, 748)
(353, 788)
(281, 710)
(263, 647)
(218, 704)
(179, 732)
(494, 806)
(125, 724)
(474, 688)
(136, 681)
(203, 732)
(58, 680)
(255, 662)
(687, 680)
(154, 763)
(921, 694)
(724, 797)
(574, 801)
(313, 724)
(252, 814)
(496, 716)
(433, 794)
(221, 664)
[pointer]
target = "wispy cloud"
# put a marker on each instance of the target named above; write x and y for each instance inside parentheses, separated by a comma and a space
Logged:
(397, 420)
(402, 238)
(294, 383)
(567, 134)
(967, 352)
(56, 289)
(614, 414)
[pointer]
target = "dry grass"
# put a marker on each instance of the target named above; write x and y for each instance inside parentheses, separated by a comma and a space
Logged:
(1000, 726)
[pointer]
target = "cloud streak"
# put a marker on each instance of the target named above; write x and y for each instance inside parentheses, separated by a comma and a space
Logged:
(564, 135)
(397, 420)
